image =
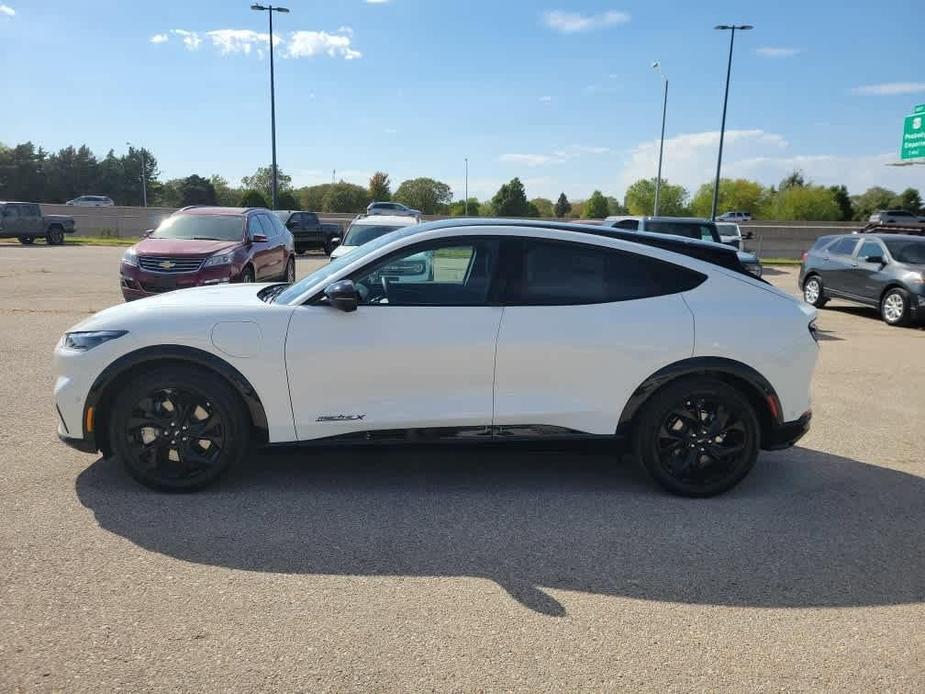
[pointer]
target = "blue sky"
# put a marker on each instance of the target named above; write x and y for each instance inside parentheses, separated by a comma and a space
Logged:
(558, 93)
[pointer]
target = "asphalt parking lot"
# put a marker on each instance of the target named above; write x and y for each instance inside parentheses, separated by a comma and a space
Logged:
(450, 569)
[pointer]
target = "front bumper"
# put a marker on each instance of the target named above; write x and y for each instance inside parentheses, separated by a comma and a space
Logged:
(308, 240)
(137, 283)
(786, 434)
(82, 445)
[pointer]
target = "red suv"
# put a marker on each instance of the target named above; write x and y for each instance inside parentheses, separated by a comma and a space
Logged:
(209, 245)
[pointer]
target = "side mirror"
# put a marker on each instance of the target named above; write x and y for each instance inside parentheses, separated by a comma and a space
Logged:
(259, 238)
(148, 232)
(748, 235)
(335, 241)
(343, 295)
(879, 259)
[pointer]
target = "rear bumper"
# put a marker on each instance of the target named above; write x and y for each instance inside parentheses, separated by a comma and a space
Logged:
(786, 434)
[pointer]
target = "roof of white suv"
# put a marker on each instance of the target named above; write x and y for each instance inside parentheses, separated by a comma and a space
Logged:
(381, 220)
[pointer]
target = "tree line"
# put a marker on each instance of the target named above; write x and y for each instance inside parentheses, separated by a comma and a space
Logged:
(30, 173)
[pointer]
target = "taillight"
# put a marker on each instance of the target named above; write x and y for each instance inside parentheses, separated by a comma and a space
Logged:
(804, 255)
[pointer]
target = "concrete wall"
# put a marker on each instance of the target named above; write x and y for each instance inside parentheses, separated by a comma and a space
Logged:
(772, 239)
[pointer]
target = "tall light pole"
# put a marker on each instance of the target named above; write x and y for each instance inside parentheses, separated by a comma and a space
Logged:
(466, 203)
(722, 130)
(144, 183)
(661, 147)
(269, 9)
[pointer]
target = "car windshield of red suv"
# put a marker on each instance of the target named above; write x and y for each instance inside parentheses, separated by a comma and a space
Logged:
(201, 227)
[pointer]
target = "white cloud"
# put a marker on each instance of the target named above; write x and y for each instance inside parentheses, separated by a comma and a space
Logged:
(545, 99)
(769, 52)
(298, 44)
(376, 2)
(307, 44)
(690, 160)
(890, 89)
(574, 22)
(191, 39)
(557, 157)
(7, 11)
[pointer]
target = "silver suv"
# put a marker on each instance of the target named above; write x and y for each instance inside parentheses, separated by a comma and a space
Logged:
(392, 208)
(900, 217)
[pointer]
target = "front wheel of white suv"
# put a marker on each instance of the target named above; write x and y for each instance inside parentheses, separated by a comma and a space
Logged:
(697, 437)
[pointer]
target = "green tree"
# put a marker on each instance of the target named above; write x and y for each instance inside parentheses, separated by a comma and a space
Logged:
(614, 206)
(458, 208)
(807, 202)
(511, 200)
(68, 173)
(380, 188)
(871, 200)
(909, 200)
(543, 207)
(563, 206)
(596, 206)
(225, 195)
(22, 173)
(424, 194)
(640, 198)
(312, 197)
(262, 181)
(253, 198)
(734, 194)
(168, 194)
(196, 190)
(345, 197)
(287, 201)
(843, 200)
(794, 180)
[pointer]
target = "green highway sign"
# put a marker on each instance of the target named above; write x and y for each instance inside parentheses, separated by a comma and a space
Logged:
(919, 109)
(913, 146)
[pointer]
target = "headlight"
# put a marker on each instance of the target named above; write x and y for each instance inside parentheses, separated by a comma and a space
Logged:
(83, 341)
(130, 257)
(754, 269)
(218, 260)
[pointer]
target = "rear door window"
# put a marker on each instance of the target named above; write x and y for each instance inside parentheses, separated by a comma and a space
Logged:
(843, 246)
(552, 273)
(268, 228)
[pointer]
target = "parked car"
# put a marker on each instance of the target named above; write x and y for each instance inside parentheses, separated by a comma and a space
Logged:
(898, 217)
(886, 271)
(393, 209)
(735, 217)
(542, 331)
(25, 221)
(690, 227)
(365, 229)
(209, 245)
(91, 201)
(308, 231)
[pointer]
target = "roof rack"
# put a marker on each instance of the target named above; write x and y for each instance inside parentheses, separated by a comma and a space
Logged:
(918, 230)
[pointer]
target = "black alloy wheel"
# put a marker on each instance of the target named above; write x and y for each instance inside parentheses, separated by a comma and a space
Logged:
(54, 236)
(27, 240)
(698, 437)
(178, 429)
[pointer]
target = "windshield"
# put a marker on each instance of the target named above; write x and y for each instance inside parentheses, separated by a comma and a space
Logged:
(728, 229)
(907, 250)
(294, 291)
(358, 234)
(199, 226)
(283, 215)
(692, 230)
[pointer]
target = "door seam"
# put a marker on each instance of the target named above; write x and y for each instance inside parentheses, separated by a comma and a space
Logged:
(494, 371)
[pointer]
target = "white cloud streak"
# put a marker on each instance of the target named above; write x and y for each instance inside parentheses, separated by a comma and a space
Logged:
(7, 11)
(890, 89)
(559, 156)
(574, 22)
(297, 44)
(770, 52)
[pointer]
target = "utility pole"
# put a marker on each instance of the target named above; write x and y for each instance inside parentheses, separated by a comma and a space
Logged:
(661, 147)
(466, 204)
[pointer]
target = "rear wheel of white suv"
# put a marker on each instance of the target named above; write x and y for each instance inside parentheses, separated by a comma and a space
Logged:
(178, 428)
(698, 437)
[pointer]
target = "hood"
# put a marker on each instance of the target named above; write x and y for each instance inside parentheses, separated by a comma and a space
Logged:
(183, 247)
(200, 299)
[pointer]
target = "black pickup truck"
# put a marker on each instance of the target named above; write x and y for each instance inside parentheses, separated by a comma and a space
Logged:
(24, 221)
(308, 232)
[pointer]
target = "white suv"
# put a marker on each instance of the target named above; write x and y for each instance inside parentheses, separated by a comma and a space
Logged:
(525, 330)
(90, 201)
(365, 229)
(735, 217)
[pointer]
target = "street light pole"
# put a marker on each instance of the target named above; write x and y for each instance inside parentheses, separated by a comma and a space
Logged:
(144, 183)
(466, 203)
(661, 147)
(722, 130)
(270, 9)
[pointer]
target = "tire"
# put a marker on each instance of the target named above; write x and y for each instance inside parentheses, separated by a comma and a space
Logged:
(247, 275)
(894, 307)
(27, 240)
(54, 236)
(289, 275)
(814, 292)
(151, 421)
(684, 443)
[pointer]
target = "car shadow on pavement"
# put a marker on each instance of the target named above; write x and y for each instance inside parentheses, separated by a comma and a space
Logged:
(867, 312)
(804, 529)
